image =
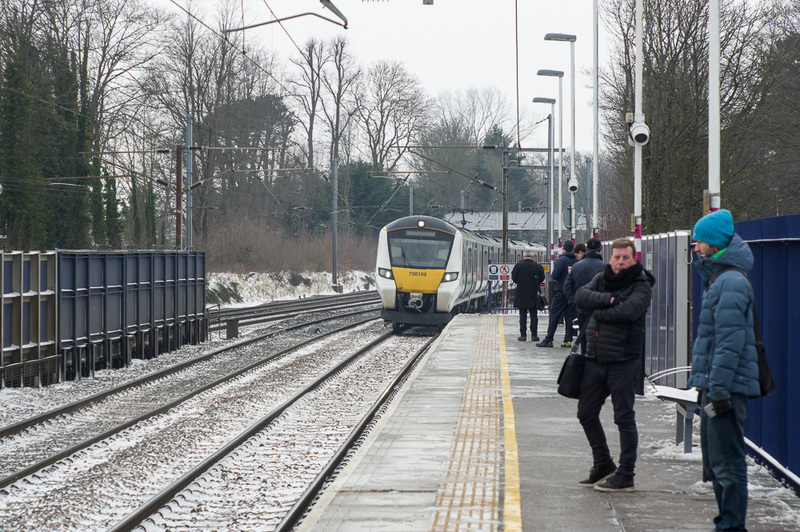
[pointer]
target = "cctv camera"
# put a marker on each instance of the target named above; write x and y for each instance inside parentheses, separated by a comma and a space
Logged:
(573, 185)
(639, 133)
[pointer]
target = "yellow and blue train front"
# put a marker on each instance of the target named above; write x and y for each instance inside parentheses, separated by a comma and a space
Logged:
(414, 271)
(416, 296)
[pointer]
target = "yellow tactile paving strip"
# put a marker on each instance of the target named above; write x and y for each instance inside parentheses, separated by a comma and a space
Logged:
(470, 496)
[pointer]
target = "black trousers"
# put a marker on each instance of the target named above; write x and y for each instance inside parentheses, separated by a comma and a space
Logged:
(523, 321)
(560, 309)
(619, 380)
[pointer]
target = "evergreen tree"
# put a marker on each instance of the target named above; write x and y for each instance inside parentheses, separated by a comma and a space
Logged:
(134, 213)
(150, 216)
(21, 205)
(60, 133)
(112, 214)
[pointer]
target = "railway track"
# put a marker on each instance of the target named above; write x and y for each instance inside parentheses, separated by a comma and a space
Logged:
(279, 310)
(76, 469)
(56, 435)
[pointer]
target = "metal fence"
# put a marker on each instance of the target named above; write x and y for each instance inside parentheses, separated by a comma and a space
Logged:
(115, 306)
(29, 316)
(668, 257)
(65, 314)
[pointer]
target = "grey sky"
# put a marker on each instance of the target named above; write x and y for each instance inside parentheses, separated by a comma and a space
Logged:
(455, 44)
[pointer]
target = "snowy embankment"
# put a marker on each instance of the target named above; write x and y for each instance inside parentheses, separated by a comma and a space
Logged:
(231, 290)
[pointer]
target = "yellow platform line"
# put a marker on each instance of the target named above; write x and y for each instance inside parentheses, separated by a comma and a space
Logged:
(512, 505)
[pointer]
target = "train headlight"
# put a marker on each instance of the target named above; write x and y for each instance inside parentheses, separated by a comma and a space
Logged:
(450, 276)
(385, 273)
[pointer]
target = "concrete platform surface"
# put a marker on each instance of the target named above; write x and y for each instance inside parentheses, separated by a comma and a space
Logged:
(480, 440)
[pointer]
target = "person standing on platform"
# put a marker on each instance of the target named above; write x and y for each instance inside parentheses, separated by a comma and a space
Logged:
(560, 309)
(724, 362)
(616, 302)
(591, 264)
(528, 275)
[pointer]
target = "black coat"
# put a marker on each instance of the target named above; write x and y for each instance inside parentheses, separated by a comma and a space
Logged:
(582, 272)
(615, 331)
(528, 275)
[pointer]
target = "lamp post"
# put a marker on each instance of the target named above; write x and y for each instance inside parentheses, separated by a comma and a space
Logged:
(713, 107)
(552, 102)
(596, 121)
(573, 182)
(560, 75)
(638, 117)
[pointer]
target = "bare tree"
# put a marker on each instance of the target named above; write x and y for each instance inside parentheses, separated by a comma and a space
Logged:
(479, 109)
(393, 110)
(233, 97)
(309, 91)
(340, 78)
(675, 96)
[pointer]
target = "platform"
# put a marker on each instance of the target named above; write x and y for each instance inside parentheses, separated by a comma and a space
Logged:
(480, 440)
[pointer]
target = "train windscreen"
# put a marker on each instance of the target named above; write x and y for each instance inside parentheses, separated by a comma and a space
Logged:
(419, 248)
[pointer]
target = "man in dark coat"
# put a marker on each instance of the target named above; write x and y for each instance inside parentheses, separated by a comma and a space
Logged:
(560, 309)
(616, 301)
(528, 276)
(582, 272)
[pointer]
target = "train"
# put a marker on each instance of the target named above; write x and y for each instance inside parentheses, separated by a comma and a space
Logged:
(428, 270)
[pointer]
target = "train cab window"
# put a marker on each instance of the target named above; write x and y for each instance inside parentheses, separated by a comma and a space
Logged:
(419, 248)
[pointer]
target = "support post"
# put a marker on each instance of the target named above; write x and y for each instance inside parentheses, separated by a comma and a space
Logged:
(178, 194)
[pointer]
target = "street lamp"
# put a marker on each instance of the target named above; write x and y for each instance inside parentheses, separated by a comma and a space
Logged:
(573, 183)
(596, 120)
(552, 102)
(560, 75)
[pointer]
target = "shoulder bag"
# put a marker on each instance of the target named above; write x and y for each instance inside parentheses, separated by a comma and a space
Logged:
(569, 379)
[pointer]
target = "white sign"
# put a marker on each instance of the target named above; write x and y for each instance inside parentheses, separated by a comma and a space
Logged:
(500, 271)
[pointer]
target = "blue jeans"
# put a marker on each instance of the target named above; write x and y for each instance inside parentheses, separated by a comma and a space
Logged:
(560, 309)
(523, 321)
(619, 380)
(724, 453)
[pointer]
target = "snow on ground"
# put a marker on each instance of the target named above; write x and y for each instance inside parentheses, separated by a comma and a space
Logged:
(256, 288)
(243, 290)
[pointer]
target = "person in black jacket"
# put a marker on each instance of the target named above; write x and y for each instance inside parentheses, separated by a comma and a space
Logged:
(581, 273)
(616, 302)
(528, 276)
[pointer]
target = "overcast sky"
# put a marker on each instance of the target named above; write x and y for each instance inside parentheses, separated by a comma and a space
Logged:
(455, 44)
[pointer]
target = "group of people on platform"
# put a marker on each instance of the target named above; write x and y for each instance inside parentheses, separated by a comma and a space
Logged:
(609, 301)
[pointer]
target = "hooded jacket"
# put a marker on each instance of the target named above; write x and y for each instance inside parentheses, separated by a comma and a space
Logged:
(615, 331)
(724, 358)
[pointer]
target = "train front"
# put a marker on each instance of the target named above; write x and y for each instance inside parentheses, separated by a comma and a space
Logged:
(417, 270)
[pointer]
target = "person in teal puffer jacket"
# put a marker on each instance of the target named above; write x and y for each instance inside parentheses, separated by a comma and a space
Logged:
(724, 362)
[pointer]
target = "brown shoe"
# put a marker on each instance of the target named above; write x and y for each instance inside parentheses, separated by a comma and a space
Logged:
(522, 338)
(535, 339)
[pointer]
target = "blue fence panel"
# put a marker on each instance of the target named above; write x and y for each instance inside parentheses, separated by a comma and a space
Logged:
(124, 304)
(115, 296)
(28, 314)
(131, 293)
(170, 288)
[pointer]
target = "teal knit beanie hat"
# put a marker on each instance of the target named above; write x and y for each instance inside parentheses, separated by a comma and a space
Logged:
(715, 229)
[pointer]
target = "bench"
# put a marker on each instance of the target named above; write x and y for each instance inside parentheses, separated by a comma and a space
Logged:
(686, 402)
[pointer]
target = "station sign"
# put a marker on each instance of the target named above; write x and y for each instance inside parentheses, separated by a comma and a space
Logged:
(500, 271)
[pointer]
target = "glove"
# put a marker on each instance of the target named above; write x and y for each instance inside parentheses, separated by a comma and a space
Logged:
(722, 407)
